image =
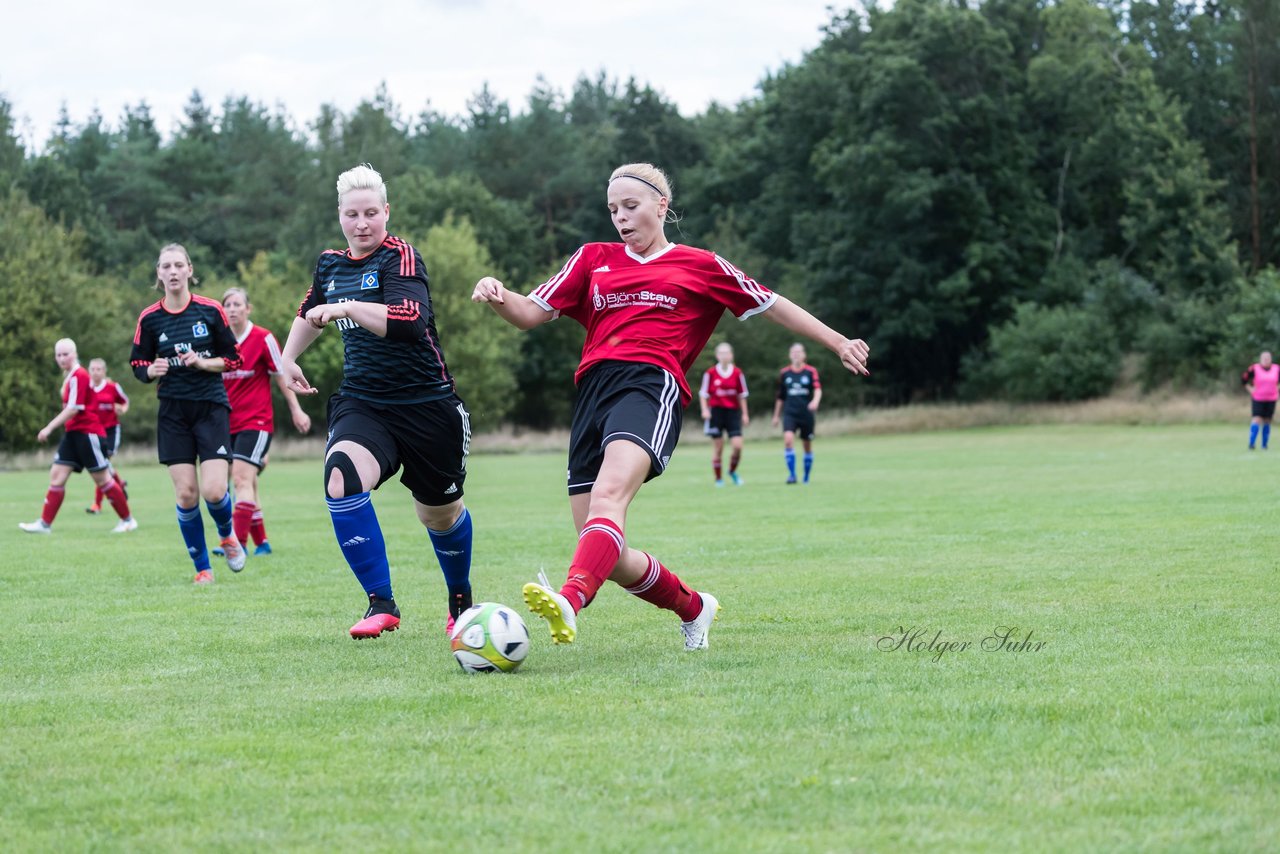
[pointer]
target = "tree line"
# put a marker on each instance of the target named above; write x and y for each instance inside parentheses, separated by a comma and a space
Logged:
(1020, 199)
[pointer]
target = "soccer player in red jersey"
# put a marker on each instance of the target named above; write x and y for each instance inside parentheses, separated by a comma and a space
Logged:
(108, 401)
(397, 407)
(252, 423)
(724, 410)
(1262, 379)
(799, 393)
(80, 448)
(183, 343)
(649, 307)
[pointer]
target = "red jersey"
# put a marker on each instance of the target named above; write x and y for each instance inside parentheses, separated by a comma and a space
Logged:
(249, 387)
(659, 310)
(103, 399)
(75, 390)
(723, 391)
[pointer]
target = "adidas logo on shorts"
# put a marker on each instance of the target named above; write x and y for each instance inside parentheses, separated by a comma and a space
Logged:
(453, 487)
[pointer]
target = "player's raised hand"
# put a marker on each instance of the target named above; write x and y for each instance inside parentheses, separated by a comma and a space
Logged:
(322, 315)
(294, 378)
(489, 289)
(853, 355)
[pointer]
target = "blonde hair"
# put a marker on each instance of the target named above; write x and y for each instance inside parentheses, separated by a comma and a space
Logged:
(229, 291)
(102, 362)
(645, 173)
(361, 177)
(68, 342)
(175, 247)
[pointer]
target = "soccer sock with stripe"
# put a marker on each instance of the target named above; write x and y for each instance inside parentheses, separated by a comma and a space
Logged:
(734, 458)
(599, 547)
(662, 587)
(258, 527)
(808, 465)
(119, 503)
(242, 519)
(790, 456)
(715, 466)
(191, 524)
(1253, 434)
(355, 524)
(52, 501)
(453, 551)
(221, 513)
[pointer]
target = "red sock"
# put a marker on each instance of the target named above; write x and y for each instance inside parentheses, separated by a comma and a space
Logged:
(733, 460)
(599, 547)
(242, 518)
(115, 475)
(258, 529)
(97, 495)
(52, 501)
(664, 588)
(715, 465)
(115, 495)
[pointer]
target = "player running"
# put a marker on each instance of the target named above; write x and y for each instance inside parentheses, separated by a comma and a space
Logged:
(648, 306)
(396, 406)
(182, 343)
(252, 422)
(724, 410)
(80, 448)
(108, 401)
(1262, 379)
(799, 393)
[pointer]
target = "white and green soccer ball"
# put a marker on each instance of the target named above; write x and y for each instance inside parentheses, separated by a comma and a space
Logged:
(489, 638)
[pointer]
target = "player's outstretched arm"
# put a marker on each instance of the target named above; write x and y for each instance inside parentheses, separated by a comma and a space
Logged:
(516, 309)
(853, 352)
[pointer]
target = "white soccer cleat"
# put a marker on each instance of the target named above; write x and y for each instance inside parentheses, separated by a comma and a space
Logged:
(552, 607)
(696, 630)
(124, 526)
(234, 553)
(36, 527)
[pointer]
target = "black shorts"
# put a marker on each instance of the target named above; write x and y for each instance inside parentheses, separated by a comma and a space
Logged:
(187, 429)
(1264, 409)
(81, 451)
(430, 440)
(724, 421)
(251, 446)
(623, 400)
(111, 443)
(801, 425)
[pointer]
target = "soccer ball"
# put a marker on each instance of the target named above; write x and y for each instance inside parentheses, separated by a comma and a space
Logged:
(489, 637)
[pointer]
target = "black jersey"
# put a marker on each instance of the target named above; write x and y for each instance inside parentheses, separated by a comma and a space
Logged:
(200, 326)
(796, 388)
(408, 365)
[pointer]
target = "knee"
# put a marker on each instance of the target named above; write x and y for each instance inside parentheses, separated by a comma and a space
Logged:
(340, 476)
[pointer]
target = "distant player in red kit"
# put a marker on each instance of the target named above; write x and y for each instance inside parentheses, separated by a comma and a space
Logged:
(799, 393)
(1262, 379)
(649, 307)
(80, 448)
(252, 424)
(108, 401)
(724, 410)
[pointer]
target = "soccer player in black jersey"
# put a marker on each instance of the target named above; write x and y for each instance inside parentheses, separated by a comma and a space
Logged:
(183, 343)
(799, 393)
(396, 406)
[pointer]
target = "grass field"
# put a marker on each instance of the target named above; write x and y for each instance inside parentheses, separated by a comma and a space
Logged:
(141, 713)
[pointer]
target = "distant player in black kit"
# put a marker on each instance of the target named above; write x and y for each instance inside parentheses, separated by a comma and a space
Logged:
(799, 392)
(396, 405)
(184, 343)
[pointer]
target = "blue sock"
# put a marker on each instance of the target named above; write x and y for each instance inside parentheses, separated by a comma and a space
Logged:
(221, 513)
(360, 537)
(790, 454)
(453, 550)
(192, 527)
(1266, 434)
(1253, 434)
(808, 466)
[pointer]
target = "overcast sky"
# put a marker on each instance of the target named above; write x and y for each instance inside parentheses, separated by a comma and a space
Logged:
(300, 54)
